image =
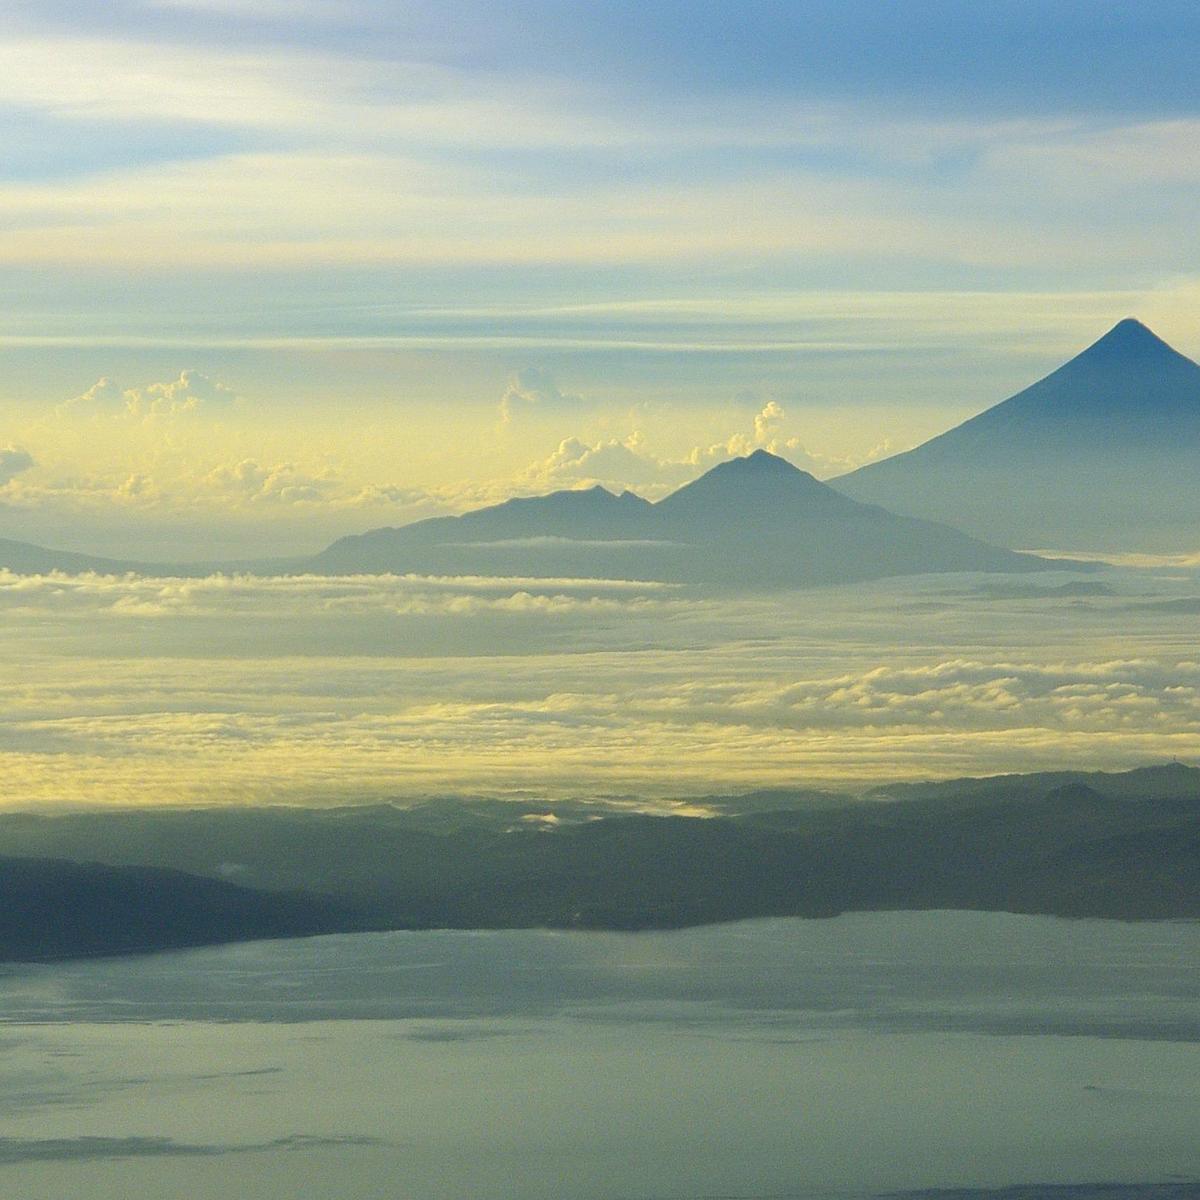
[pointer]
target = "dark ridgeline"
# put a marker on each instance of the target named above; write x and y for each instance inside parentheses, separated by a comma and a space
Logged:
(1070, 844)
(1102, 454)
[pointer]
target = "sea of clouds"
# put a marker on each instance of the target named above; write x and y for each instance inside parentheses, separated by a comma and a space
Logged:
(314, 689)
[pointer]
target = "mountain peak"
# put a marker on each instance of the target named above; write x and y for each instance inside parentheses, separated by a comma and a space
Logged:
(760, 464)
(764, 460)
(1128, 341)
(755, 489)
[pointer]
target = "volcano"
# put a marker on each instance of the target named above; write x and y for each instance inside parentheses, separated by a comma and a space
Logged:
(1102, 454)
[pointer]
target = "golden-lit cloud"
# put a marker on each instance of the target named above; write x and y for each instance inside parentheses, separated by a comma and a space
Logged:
(328, 689)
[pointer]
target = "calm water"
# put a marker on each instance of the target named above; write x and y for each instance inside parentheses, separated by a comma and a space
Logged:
(775, 1058)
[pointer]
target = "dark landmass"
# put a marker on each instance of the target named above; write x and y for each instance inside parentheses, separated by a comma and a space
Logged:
(751, 524)
(1092, 457)
(1124, 846)
(1178, 1190)
(51, 908)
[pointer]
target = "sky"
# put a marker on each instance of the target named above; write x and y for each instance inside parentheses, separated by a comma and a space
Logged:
(276, 272)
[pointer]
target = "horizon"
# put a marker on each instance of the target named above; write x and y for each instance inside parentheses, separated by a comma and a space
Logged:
(283, 273)
(599, 467)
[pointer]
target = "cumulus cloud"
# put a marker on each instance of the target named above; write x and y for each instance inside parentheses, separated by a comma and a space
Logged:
(769, 434)
(620, 463)
(13, 461)
(283, 483)
(190, 393)
(616, 463)
(534, 388)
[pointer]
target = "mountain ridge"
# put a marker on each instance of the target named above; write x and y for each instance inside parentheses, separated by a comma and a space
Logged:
(1123, 845)
(752, 522)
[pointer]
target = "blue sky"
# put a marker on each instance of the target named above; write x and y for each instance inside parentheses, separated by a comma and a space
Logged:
(878, 217)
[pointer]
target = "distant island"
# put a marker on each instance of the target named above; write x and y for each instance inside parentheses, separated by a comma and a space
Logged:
(1121, 846)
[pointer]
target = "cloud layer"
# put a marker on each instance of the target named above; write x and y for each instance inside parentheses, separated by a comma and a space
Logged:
(307, 689)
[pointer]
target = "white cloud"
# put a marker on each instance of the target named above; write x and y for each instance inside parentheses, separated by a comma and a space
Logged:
(190, 393)
(392, 686)
(283, 483)
(618, 463)
(626, 463)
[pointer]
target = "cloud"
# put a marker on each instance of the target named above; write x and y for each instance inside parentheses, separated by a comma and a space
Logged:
(190, 393)
(141, 689)
(104, 395)
(13, 461)
(620, 464)
(283, 483)
(534, 388)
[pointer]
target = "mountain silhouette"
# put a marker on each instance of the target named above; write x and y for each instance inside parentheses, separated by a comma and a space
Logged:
(1099, 455)
(750, 523)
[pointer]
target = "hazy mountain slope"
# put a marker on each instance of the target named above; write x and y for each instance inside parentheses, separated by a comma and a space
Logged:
(586, 534)
(1101, 454)
(748, 524)
(754, 522)
(24, 558)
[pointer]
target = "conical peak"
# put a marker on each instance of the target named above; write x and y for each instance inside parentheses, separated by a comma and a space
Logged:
(1129, 340)
(759, 462)
(753, 487)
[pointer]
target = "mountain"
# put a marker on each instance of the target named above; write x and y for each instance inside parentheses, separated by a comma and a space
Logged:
(24, 558)
(750, 523)
(1101, 454)
(578, 533)
(53, 908)
(1123, 845)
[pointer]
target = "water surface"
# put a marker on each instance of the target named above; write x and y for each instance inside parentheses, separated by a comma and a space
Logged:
(872, 1053)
